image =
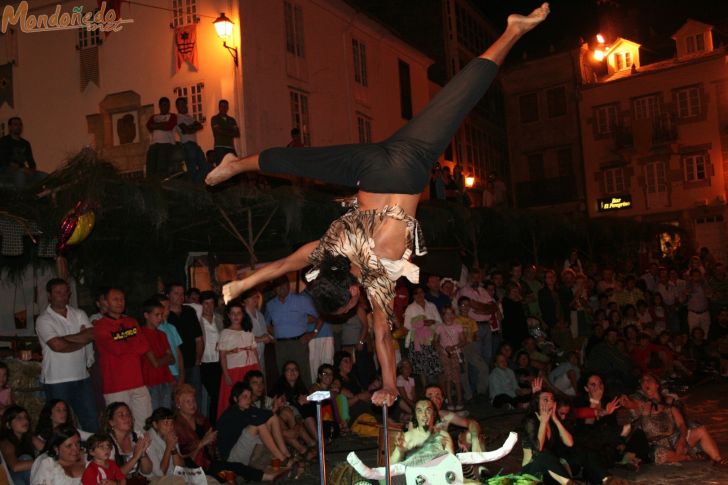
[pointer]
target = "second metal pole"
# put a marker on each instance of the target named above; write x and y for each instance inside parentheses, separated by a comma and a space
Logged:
(321, 452)
(385, 423)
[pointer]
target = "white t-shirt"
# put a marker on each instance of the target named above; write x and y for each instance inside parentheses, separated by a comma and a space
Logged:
(47, 471)
(162, 136)
(238, 339)
(415, 310)
(212, 336)
(185, 120)
(408, 384)
(480, 295)
(155, 452)
(59, 367)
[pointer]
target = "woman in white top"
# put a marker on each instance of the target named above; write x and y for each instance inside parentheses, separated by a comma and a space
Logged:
(163, 451)
(62, 463)
(238, 352)
(252, 300)
(210, 369)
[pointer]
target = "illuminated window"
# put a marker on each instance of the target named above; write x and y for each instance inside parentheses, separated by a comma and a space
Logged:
(605, 118)
(364, 127)
(293, 17)
(193, 93)
(646, 107)
(184, 12)
(529, 107)
(695, 168)
(360, 62)
(688, 102)
(614, 180)
(623, 60)
(299, 114)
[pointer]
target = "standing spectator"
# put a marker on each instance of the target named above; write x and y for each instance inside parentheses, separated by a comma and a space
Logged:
(515, 327)
(548, 300)
(16, 444)
(355, 340)
(65, 334)
(252, 300)
(121, 347)
(16, 156)
(175, 343)
(698, 293)
(210, 370)
(435, 295)
(321, 347)
(224, 130)
(238, 352)
(184, 318)
(449, 342)
(420, 319)
(573, 262)
(482, 307)
(155, 364)
(187, 128)
(500, 191)
(162, 143)
(530, 286)
(718, 283)
(476, 368)
(289, 314)
(296, 139)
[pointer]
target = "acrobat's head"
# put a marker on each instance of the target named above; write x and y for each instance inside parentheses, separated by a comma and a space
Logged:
(334, 290)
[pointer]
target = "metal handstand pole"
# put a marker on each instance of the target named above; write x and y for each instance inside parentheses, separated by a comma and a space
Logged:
(385, 422)
(318, 397)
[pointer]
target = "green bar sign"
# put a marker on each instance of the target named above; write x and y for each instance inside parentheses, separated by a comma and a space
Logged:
(615, 203)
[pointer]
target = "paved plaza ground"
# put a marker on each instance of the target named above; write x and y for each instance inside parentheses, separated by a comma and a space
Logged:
(707, 403)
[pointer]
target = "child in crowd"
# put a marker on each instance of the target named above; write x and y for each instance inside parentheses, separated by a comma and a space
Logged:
(101, 470)
(342, 406)
(406, 388)
(6, 397)
(155, 364)
(449, 341)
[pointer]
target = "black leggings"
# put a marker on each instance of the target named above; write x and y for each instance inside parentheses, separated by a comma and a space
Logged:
(401, 164)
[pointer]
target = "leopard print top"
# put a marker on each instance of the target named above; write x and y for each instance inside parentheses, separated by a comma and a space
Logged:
(351, 236)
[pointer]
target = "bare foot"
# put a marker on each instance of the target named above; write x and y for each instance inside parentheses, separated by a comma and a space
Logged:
(232, 290)
(385, 396)
(223, 171)
(524, 23)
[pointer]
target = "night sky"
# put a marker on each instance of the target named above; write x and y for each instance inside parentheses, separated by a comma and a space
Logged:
(648, 22)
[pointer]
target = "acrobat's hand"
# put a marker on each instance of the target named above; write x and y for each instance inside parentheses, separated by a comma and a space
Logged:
(385, 396)
(233, 289)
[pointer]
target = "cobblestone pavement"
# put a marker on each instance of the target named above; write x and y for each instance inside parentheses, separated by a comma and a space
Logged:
(707, 403)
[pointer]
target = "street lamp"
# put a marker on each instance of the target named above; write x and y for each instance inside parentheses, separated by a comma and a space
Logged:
(224, 29)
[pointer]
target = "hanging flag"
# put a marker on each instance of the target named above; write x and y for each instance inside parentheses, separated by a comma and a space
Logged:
(89, 66)
(185, 40)
(6, 84)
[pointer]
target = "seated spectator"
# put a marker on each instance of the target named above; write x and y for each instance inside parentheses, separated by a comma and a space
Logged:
(614, 365)
(544, 437)
(129, 449)
(422, 434)
(565, 377)
(55, 413)
(504, 388)
(195, 438)
(163, 450)
(468, 439)
(16, 157)
(291, 387)
(293, 431)
(698, 350)
(650, 357)
(242, 426)
(16, 444)
(525, 372)
(671, 438)
(329, 411)
(62, 463)
(358, 398)
(406, 389)
(101, 470)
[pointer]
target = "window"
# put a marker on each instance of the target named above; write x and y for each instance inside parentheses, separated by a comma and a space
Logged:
(405, 90)
(556, 101)
(614, 180)
(536, 169)
(695, 167)
(529, 107)
(293, 17)
(364, 126)
(623, 60)
(88, 38)
(647, 107)
(655, 177)
(470, 30)
(564, 161)
(606, 118)
(184, 12)
(193, 93)
(360, 62)
(299, 114)
(695, 43)
(688, 102)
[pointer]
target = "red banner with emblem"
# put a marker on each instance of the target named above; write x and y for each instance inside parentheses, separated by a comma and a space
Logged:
(185, 42)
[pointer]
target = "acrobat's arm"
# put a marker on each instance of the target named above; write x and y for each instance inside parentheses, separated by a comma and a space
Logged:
(294, 262)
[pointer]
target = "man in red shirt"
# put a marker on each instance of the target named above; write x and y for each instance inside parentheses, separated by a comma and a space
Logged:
(155, 364)
(121, 346)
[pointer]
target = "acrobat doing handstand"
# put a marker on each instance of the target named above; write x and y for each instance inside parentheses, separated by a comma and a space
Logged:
(370, 246)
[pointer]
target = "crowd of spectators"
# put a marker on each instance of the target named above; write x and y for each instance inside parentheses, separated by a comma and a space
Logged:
(596, 356)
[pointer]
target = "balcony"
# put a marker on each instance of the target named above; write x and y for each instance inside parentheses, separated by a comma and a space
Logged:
(543, 192)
